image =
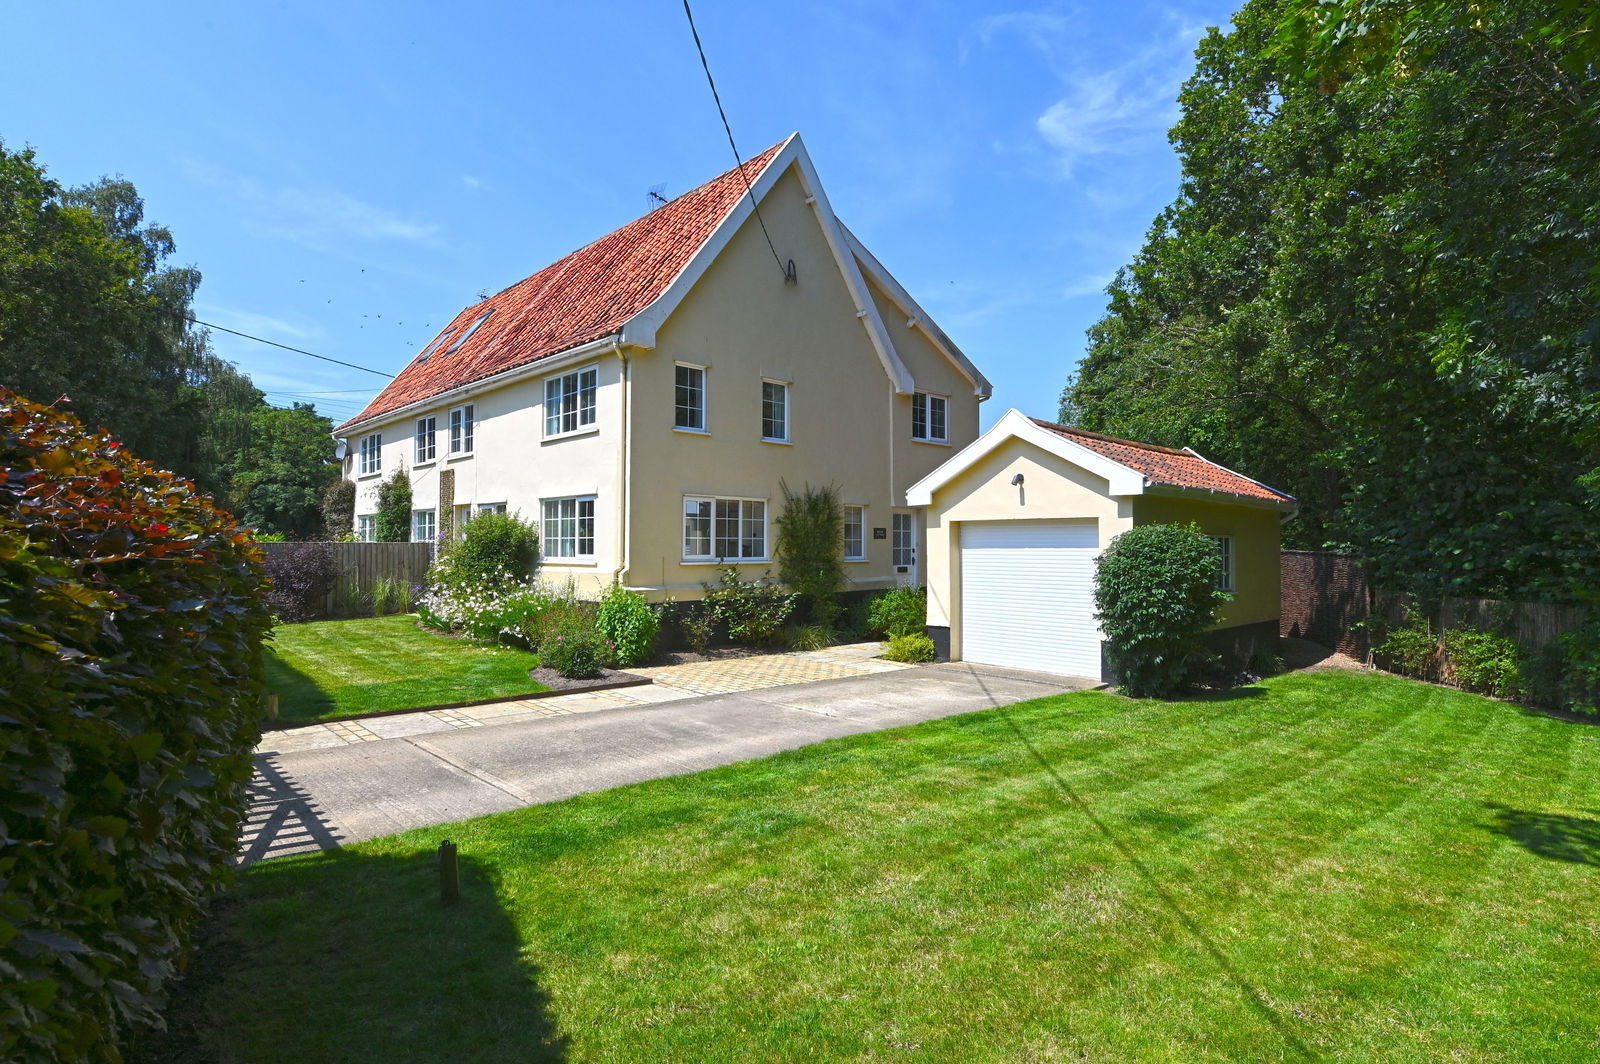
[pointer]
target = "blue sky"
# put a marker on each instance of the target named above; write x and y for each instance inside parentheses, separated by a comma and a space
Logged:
(347, 176)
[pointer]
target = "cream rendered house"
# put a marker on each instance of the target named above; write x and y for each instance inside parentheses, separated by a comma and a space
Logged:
(643, 398)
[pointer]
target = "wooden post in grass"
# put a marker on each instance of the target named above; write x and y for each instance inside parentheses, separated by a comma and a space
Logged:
(272, 705)
(449, 874)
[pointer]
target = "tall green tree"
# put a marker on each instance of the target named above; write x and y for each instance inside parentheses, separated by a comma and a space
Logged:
(279, 477)
(93, 318)
(1378, 288)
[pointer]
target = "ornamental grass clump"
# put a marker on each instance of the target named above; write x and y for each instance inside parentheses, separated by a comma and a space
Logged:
(1155, 595)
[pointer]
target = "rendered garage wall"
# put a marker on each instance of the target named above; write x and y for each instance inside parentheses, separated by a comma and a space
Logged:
(1255, 533)
(1052, 489)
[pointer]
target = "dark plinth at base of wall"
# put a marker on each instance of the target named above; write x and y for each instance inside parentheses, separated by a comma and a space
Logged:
(1239, 644)
(940, 634)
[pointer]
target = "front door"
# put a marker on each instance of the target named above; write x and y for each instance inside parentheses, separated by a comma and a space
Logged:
(903, 548)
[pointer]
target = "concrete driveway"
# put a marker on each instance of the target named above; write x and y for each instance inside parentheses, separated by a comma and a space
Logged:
(317, 799)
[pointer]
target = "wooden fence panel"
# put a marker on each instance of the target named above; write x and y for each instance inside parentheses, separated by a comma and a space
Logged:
(1325, 596)
(359, 566)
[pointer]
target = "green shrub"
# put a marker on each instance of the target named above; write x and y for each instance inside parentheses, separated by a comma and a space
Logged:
(811, 550)
(912, 647)
(339, 509)
(1412, 648)
(575, 649)
(626, 620)
(752, 611)
(858, 619)
(1483, 662)
(392, 523)
(302, 574)
(810, 637)
(270, 537)
(902, 611)
(131, 618)
(548, 607)
(494, 549)
(1155, 595)
(699, 626)
(1580, 668)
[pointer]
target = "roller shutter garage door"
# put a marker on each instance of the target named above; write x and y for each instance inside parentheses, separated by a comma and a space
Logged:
(1027, 595)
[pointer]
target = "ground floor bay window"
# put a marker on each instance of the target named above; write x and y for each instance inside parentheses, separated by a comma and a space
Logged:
(717, 529)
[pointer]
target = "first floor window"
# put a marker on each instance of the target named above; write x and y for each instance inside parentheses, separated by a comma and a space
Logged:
(905, 541)
(689, 399)
(371, 453)
(1224, 562)
(855, 533)
(569, 527)
(461, 430)
(928, 417)
(724, 529)
(423, 526)
(569, 401)
(491, 508)
(426, 439)
(367, 527)
(775, 411)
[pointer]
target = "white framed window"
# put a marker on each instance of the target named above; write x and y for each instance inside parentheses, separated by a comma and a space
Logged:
(568, 527)
(371, 452)
(930, 417)
(1224, 562)
(423, 526)
(689, 398)
(855, 533)
(427, 437)
(491, 508)
(724, 529)
(569, 401)
(460, 430)
(367, 527)
(774, 411)
(904, 543)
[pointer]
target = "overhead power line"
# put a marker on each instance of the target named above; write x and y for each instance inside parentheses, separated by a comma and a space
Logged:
(286, 347)
(748, 189)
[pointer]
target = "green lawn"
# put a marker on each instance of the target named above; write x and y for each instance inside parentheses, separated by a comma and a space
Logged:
(1333, 866)
(338, 668)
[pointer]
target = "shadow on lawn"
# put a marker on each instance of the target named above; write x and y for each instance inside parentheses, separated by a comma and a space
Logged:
(299, 696)
(352, 957)
(1555, 836)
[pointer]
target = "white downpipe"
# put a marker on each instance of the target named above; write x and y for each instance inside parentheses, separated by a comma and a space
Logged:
(624, 535)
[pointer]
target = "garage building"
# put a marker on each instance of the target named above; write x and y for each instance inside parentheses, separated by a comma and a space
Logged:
(1016, 519)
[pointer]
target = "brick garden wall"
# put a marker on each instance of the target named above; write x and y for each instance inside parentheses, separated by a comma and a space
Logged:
(1324, 596)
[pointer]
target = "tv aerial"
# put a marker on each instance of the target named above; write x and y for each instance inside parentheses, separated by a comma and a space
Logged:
(654, 197)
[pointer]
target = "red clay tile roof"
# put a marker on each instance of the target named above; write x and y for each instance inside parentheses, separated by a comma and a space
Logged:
(588, 295)
(1165, 465)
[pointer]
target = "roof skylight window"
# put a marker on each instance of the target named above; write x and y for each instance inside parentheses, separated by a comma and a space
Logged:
(467, 335)
(431, 348)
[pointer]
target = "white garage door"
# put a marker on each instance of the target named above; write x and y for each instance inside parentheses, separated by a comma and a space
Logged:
(1027, 595)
